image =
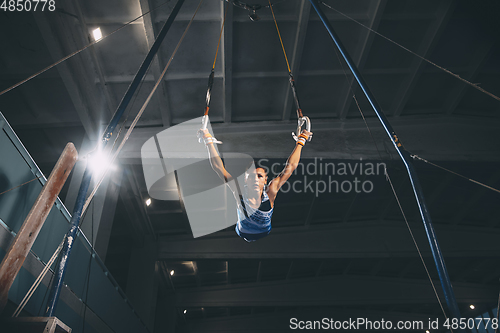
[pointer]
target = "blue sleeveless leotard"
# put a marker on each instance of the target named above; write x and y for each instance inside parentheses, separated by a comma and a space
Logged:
(258, 222)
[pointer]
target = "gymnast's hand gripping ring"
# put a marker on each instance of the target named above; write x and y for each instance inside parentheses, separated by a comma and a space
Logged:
(300, 122)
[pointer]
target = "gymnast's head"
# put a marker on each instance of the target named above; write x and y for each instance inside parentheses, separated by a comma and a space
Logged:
(255, 178)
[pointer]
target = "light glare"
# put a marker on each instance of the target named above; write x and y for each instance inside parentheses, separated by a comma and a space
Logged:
(97, 34)
(472, 307)
(148, 202)
(99, 162)
(172, 272)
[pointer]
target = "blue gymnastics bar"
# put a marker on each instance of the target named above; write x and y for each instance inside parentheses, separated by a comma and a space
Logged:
(87, 176)
(405, 156)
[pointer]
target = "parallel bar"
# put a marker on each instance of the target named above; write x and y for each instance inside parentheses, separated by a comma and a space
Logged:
(20, 247)
(405, 156)
(87, 176)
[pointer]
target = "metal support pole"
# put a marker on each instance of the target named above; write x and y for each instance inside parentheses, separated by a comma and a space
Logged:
(87, 176)
(20, 247)
(405, 156)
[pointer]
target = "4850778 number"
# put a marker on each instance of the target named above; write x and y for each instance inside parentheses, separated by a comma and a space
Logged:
(470, 323)
(28, 5)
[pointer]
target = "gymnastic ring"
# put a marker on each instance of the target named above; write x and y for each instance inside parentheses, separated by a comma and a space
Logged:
(300, 122)
(204, 122)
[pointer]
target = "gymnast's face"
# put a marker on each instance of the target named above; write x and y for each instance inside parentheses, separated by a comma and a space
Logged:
(255, 179)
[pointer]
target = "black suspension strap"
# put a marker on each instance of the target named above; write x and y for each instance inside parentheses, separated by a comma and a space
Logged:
(211, 76)
(302, 120)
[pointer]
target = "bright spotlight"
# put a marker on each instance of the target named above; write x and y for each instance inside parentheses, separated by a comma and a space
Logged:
(172, 272)
(185, 311)
(472, 307)
(148, 202)
(97, 34)
(99, 163)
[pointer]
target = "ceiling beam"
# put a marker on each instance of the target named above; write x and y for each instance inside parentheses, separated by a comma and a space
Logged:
(443, 139)
(110, 79)
(331, 15)
(340, 290)
(370, 239)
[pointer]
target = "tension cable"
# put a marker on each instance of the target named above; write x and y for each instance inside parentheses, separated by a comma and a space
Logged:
(414, 156)
(453, 172)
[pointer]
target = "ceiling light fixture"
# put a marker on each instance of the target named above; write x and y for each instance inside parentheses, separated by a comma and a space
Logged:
(253, 16)
(97, 34)
(185, 311)
(472, 307)
(148, 202)
(172, 272)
